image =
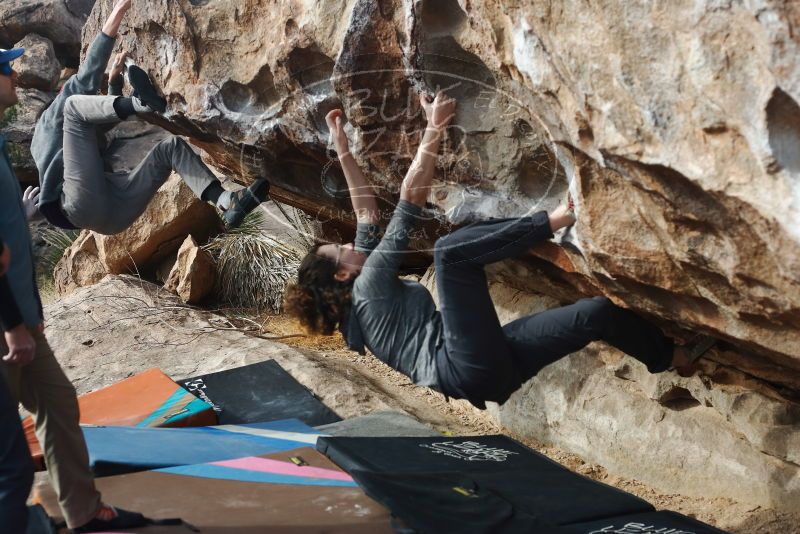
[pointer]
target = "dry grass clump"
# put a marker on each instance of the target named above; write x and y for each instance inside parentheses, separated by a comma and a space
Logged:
(252, 267)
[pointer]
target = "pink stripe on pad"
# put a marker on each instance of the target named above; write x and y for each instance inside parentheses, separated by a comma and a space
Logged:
(266, 465)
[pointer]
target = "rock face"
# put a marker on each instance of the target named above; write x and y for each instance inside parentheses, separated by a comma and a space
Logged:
(192, 276)
(674, 125)
(173, 214)
(38, 68)
(58, 20)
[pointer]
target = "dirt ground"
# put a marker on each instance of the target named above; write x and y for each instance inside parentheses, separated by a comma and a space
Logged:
(458, 417)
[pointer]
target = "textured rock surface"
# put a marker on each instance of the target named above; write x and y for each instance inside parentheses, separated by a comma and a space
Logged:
(674, 124)
(671, 122)
(38, 68)
(173, 214)
(58, 20)
(192, 276)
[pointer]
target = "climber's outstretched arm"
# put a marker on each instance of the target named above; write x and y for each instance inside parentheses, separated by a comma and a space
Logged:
(111, 27)
(361, 193)
(417, 183)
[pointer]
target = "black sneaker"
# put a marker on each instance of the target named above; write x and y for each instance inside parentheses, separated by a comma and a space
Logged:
(124, 519)
(244, 201)
(144, 90)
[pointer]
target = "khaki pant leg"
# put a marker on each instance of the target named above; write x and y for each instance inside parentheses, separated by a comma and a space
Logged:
(46, 392)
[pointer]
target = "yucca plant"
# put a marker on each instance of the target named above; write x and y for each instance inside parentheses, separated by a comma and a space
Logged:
(252, 267)
(58, 241)
(306, 229)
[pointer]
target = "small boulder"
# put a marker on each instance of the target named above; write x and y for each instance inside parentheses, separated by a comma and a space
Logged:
(54, 19)
(38, 68)
(173, 213)
(192, 276)
(79, 266)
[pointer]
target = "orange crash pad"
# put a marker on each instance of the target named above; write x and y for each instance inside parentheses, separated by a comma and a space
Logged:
(149, 399)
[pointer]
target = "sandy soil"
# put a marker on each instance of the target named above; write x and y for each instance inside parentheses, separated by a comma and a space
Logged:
(458, 417)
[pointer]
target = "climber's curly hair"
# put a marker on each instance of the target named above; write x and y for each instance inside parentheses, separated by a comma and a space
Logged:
(318, 300)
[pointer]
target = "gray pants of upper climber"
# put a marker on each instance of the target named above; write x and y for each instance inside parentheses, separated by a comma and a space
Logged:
(109, 202)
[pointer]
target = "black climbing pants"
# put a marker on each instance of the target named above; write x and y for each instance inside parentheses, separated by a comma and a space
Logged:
(482, 360)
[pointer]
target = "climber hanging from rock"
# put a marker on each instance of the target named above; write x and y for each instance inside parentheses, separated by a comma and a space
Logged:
(76, 190)
(462, 350)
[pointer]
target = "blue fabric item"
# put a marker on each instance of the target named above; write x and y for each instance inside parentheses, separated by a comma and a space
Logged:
(114, 450)
(16, 469)
(6, 56)
(15, 234)
(242, 475)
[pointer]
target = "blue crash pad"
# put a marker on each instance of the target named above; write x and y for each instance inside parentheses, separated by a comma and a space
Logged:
(115, 450)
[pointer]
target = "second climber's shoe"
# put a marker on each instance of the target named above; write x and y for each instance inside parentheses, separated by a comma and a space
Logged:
(244, 201)
(144, 89)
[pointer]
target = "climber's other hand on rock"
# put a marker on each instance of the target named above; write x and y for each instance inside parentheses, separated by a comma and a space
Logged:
(335, 121)
(439, 111)
(117, 67)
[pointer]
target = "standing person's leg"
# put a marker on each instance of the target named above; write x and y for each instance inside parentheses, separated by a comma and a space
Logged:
(16, 468)
(130, 194)
(543, 338)
(86, 189)
(479, 364)
(47, 393)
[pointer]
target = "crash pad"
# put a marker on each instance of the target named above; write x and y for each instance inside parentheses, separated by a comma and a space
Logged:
(259, 392)
(382, 423)
(648, 523)
(115, 450)
(427, 468)
(148, 399)
(266, 493)
(448, 503)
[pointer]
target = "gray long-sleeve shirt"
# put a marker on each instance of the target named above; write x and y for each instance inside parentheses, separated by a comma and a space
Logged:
(15, 234)
(396, 319)
(47, 145)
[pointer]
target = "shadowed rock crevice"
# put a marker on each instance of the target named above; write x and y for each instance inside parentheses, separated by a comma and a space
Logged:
(783, 122)
(255, 98)
(442, 17)
(311, 69)
(541, 176)
(678, 399)
(447, 66)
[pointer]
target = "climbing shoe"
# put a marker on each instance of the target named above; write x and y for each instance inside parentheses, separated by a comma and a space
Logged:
(245, 201)
(144, 90)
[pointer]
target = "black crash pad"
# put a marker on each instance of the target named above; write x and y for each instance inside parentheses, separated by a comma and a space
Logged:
(529, 482)
(257, 393)
(647, 523)
(445, 503)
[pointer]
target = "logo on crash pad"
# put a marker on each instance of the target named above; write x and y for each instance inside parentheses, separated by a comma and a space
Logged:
(470, 451)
